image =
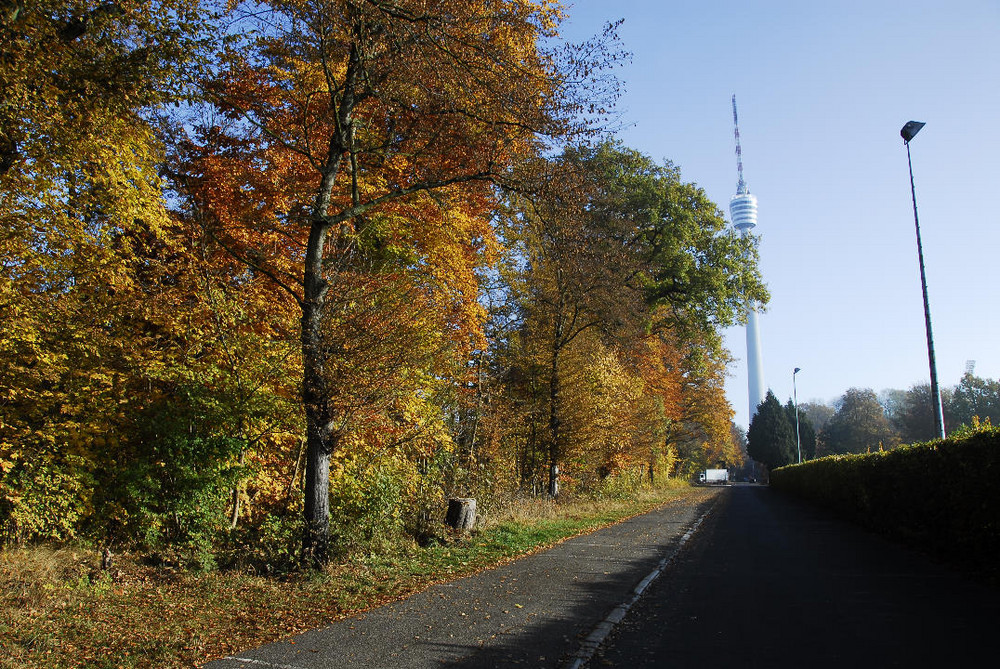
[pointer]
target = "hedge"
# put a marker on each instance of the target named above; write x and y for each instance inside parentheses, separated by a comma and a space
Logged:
(942, 496)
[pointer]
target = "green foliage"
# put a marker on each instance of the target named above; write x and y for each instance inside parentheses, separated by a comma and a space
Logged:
(973, 397)
(912, 413)
(693, 263)
(176, 481)
(941, 495)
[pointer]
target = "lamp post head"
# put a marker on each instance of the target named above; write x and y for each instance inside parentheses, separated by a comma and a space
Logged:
(910, 130)
(796, 371)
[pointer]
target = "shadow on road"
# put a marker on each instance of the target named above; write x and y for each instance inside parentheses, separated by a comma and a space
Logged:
(771, 582)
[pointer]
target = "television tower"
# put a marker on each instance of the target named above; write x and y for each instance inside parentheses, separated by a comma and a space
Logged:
(743, 210)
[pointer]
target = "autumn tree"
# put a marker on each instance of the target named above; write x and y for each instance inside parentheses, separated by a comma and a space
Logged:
(617, 244)
(352, 153)
(86, 243)
(693, 272)
(859, 425)
(574, 282)
(702, 434)
(661, 364)
(77, 84)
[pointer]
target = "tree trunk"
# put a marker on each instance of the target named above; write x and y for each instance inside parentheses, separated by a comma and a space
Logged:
(316, 542)
(315, 397)
(320, 439)
(315, 545)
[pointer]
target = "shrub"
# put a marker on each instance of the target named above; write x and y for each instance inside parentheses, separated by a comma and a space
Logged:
(273, 546)
(366, 506)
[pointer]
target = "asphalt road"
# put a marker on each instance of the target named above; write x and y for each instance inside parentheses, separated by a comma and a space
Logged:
(770, 582)
(534, 612)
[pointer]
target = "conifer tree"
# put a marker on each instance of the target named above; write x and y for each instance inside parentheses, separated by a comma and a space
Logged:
(806, 432)
(771, 437)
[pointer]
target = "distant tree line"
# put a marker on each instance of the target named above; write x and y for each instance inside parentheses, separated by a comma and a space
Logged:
(862, 421)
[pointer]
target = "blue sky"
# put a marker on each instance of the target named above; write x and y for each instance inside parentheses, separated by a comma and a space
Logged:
(823, 89)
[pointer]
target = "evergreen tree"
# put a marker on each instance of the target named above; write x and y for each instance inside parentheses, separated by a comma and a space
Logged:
(807, 433)
(771, 437)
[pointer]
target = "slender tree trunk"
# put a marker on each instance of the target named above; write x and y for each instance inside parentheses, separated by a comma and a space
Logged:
(478, 410)
(295, 472)
(554, 423)
(554, 428)
(529, 458)
(234, 518)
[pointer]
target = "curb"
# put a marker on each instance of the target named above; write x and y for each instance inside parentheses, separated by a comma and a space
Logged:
(604, 628)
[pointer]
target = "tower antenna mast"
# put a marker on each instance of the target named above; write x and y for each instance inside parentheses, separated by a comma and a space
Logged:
(741, 187)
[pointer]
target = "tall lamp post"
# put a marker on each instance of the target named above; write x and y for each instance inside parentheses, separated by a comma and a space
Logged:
(908, 132)
(795, 397)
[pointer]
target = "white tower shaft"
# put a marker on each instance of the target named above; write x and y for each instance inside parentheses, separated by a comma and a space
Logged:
(755, 363)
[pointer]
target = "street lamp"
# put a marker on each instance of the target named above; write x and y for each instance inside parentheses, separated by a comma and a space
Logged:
(908, 132)
(795, 397)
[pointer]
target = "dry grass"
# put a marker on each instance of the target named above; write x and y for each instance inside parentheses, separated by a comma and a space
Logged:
(530, 510)
(58, 609)
(37, 584)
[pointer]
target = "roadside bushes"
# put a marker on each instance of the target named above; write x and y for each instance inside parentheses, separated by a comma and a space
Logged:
(942, 496)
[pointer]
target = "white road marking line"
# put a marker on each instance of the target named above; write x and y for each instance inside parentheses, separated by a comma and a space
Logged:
(603, 629)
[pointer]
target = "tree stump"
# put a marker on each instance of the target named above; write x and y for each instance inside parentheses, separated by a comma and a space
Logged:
(106, 559)
(461, 513)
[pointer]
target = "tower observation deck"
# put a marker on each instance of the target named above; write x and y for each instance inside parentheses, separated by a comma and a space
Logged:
(743, 209)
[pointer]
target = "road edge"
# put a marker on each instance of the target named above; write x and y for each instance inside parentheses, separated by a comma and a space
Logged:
(604, 628)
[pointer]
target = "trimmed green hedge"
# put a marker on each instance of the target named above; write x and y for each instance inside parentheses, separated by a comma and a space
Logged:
(942, 496)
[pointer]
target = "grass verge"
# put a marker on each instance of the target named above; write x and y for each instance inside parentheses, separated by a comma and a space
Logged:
(58, 610)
